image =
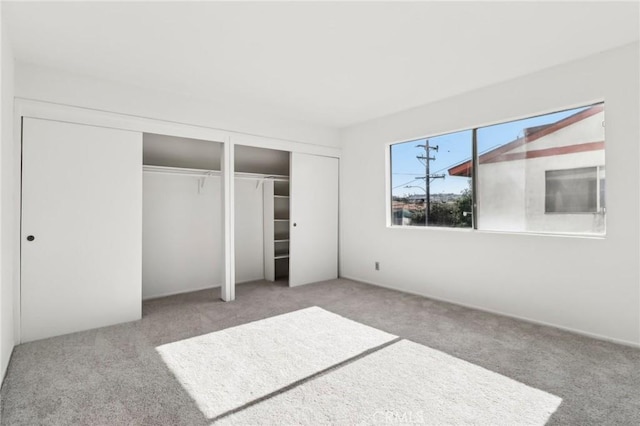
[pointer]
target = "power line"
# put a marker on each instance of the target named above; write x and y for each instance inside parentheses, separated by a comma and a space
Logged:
(464, 160)
(439, 170)
(403, 184)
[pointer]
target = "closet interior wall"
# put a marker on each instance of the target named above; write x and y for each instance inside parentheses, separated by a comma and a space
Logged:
(261, 238)
(182, 238)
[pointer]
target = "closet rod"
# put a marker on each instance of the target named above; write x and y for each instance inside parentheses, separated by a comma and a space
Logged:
(179, 171)
(260, 176)
(207, 173)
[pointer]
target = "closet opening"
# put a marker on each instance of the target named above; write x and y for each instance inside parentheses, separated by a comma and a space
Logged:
(262, 214)
(182, 234)
(182, 240)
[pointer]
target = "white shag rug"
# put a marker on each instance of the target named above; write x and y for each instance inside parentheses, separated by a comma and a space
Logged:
(404, 383)
(227, 369)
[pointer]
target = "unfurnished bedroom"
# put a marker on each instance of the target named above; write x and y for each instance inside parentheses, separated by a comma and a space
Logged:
(320, 213)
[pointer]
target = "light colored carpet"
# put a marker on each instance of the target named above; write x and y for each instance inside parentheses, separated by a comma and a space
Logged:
(227, 369)
(115, 376)
(405, 383)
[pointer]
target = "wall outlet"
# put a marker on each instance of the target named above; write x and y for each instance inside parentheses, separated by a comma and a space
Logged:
(377, 266)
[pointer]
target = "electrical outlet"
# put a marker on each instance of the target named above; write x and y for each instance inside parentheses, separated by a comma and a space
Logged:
(377, 266)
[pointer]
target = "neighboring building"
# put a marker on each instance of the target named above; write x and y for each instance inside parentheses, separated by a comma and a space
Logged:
(416, 198)
(550, 180)
(401, 213)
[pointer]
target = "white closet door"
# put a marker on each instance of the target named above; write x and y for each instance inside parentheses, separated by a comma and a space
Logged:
(314, 219)
(81, 228)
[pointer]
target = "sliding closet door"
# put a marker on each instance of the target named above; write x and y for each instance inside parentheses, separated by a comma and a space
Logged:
(314, 219)
(81, 227)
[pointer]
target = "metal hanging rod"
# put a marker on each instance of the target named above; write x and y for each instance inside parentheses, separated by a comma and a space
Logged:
(180, 171)
(209, 173)
(261, 176)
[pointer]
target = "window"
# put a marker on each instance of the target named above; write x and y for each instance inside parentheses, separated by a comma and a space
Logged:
(574, 190)
(423, 194)
(543, 174)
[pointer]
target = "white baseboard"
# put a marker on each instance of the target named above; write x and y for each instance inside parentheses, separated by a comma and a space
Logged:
(182, 291)
(480, 308)
(3, 374)
(191, 290)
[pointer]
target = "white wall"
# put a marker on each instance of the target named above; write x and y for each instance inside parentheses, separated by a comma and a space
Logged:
(8, 224)
(43, 84)
(249, 227)
(182, 234)
(588, 285)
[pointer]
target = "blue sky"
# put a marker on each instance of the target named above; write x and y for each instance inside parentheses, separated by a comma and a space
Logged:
(453, 149)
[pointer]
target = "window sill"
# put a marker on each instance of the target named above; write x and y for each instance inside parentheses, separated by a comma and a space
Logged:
(485, 231)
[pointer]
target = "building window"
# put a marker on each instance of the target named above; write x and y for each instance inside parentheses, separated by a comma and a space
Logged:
(578, 190)
(512, 177)
(423, 194)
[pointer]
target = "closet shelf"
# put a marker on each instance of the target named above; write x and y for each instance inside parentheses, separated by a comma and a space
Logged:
(260, 176)
(148, 168)
(276, 229)
(179, 171)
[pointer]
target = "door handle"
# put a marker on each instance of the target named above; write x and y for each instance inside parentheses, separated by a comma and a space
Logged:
(31, 238)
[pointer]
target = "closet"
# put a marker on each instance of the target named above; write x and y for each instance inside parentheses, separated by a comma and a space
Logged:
(270, 168)
(111, 217)
(181, 215)
(300, 213)
(182, 204)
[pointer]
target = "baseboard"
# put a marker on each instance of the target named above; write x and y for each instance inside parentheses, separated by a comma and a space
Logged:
(3, 374)
(175, 293)
(491, 311)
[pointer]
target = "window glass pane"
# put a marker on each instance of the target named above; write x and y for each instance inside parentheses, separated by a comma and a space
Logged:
(543, 174)
(423, 167)
(571, 191)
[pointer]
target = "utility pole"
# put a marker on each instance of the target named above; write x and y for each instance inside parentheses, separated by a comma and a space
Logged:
(428, 177)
